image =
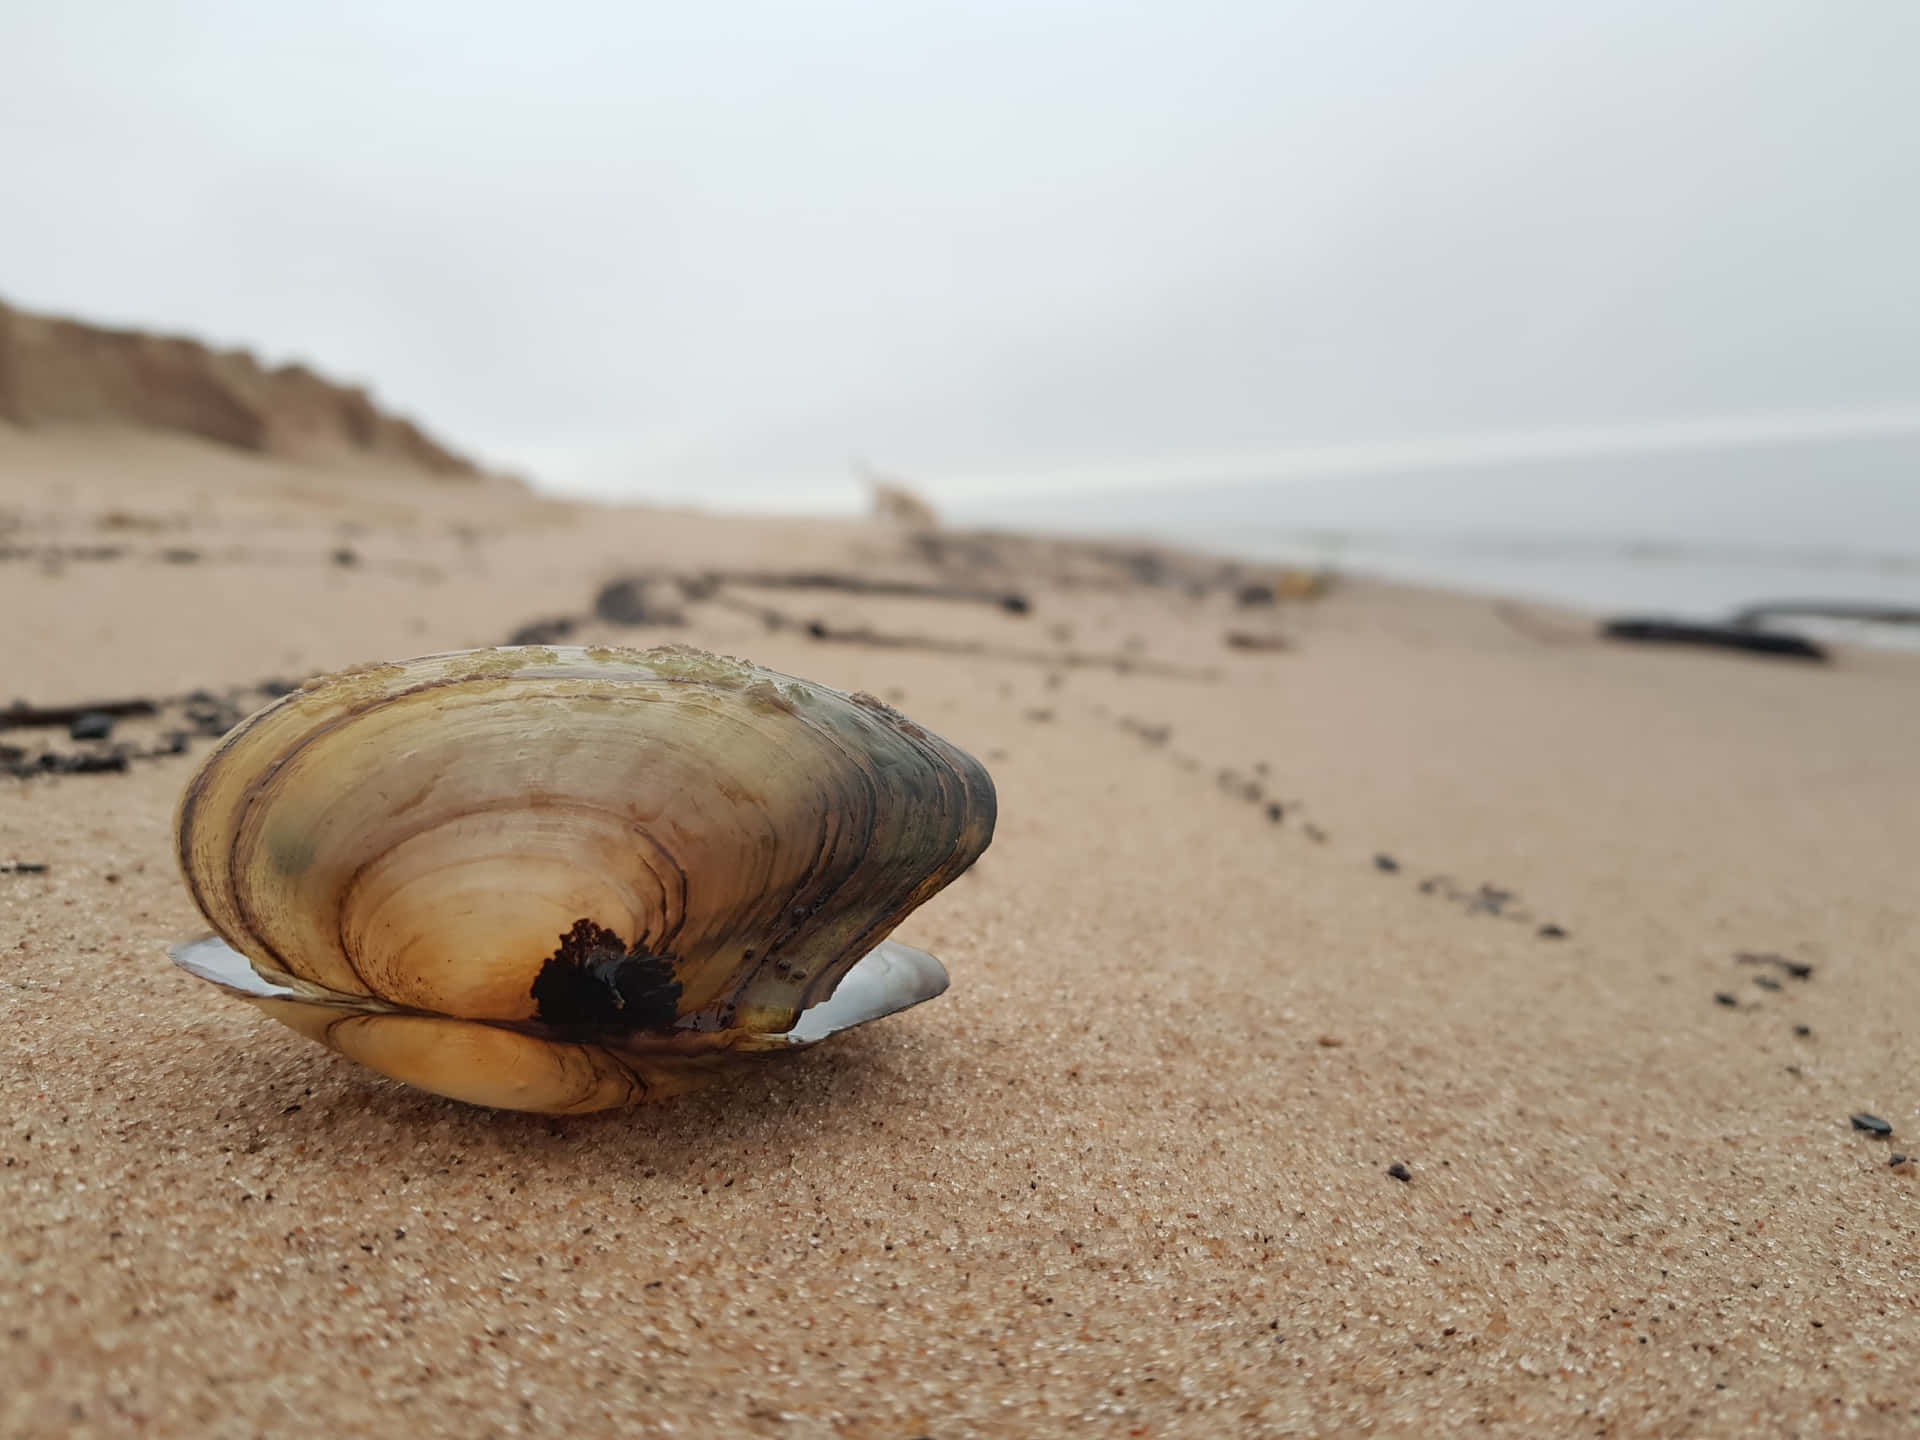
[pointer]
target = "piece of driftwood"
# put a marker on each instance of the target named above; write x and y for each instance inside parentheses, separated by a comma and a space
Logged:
(702, 586)
(21, 715)
(1777, 644)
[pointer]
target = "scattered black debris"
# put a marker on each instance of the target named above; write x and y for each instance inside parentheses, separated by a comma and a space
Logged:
(94, 725)
(544, 632)
(52, 764)
(1240, 787)
(203, 711)
(22, 715)
(211, 715)
(1725, 637)
(55, 554)
(1152, 734)
(1386, 864)
(1276, 812)
(1796, 969)
(1721, 997)
(23, 867)
(1803, 1031)
(1766, 982)
(1253, 640)
(346, 557)
(1551, 932)
(1488, 900)
(1399, 1171)
(1872, 1124)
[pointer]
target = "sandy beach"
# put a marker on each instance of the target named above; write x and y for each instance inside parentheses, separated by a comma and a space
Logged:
(1401, 879)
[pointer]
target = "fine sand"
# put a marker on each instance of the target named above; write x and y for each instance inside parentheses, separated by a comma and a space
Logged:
(1130, 1175)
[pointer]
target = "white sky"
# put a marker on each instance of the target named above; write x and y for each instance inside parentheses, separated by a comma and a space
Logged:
(717, 250)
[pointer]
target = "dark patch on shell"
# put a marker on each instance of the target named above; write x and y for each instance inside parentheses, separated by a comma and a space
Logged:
(594, 984)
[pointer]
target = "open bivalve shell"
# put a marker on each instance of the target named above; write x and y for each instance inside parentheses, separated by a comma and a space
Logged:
(565, 879)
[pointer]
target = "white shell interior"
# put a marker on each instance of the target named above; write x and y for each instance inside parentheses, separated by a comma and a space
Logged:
(889, 977)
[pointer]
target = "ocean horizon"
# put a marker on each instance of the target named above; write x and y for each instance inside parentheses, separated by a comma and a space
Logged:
(1697, 536)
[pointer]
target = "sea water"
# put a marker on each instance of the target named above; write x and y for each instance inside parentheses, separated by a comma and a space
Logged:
(1694, 536)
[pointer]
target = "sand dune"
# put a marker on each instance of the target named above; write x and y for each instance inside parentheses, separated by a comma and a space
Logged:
(65, 370)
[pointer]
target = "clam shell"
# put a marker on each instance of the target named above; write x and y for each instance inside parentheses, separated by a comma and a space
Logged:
(561, 879)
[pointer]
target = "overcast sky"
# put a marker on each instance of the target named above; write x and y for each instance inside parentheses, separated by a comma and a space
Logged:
(717, 250)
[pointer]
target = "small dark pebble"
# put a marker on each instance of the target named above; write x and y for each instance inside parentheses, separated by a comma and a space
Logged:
(180, 555)
(543, 632)
(1316, 834)
(1803, 1031)
(1399, 1171)
(1551, 932)
(1872, 1124)
(346, 557)
(1766, 982)
(1721, 997)
(1896, 1161)
(1386, 864)
(92, 726)
(1276, 812)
